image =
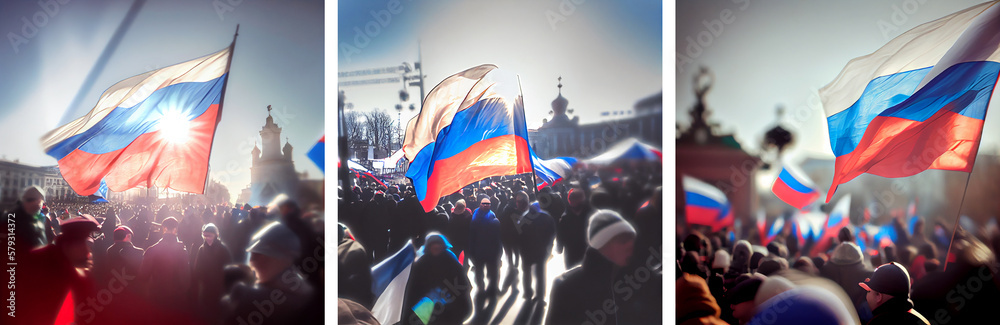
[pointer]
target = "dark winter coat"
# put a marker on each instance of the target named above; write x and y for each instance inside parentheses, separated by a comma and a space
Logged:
(571, 234)
(208, 275)
(597, 283)
(458, 229)
(442, 272)
(354, 276)
(537, 232)
(847, 269)
(125, 258)
(897, 311)
(166, 271)
(484, 237)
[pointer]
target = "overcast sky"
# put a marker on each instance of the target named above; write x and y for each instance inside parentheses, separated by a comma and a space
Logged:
(609, 53)
(278, 61)
(781, 52)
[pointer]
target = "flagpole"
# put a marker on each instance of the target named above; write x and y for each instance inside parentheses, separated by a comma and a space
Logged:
(958, 215)
(222, 101)
(534, 179)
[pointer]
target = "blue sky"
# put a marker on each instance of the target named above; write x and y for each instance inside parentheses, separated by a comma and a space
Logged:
(279, 61)
(609, 53)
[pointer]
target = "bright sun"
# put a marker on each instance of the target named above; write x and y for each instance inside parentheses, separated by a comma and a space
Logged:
(175, 127)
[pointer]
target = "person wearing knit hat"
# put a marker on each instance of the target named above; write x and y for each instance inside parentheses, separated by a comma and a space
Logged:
(846, 267)
(721, 261)
(587, 293)
(608, 227)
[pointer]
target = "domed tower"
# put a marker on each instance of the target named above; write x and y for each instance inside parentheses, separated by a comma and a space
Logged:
(255, 154)
(287, 150)
(559, 110)
(272, 171)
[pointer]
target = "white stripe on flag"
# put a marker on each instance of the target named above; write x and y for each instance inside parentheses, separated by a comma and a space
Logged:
(388, 307)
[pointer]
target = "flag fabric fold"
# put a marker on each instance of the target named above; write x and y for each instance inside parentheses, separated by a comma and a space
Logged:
(389, 279)
(471, 126)
(917, 103)
(839, 218)
(793, 187)
(706, 205)
(153, 129)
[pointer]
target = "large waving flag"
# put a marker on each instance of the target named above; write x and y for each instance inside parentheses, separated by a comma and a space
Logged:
(153, 129)
(918, 102)
(839, 218)
(471, 126)
(389, 280)
(706, 205)
(793, 187)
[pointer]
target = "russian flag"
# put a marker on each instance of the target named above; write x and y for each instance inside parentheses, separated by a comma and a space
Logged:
(389, 280)
(794, 188)
(471, 126)
(318, 154)
(839, 217)
(554, 170)
(917, 103)
(706, 205)
(153, 129)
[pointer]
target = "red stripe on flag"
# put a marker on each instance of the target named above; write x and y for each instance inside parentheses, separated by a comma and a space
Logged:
(897, 147)
(503, 155)
(791, 196)
(148, 161)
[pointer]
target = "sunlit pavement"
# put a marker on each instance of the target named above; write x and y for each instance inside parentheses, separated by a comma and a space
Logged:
(510, 306)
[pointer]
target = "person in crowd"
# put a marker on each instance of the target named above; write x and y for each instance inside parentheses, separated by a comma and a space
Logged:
(350, 312)
(740, 263)
(212, 257)
(29, 221)
(510, 238)
(694, 304)
(888, 294)
(459, 224)
(571, 235)
(354, 270)
(485, 247)
(588, 290)
(438, 279)
(537, 232)
(805, 265)
(967, 288)
(123, 256)
(846, 267)
(55, 272)
(166, 270)
(273, 250)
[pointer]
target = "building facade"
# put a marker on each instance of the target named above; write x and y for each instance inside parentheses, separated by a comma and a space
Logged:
(15, 177)
(272, 170)
(566, 137)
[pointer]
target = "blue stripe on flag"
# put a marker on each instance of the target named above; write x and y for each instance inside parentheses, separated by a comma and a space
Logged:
(388, 269)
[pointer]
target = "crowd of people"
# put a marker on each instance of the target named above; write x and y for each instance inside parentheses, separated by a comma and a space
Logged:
(119, 263)
(606, 222)
(909, 280)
